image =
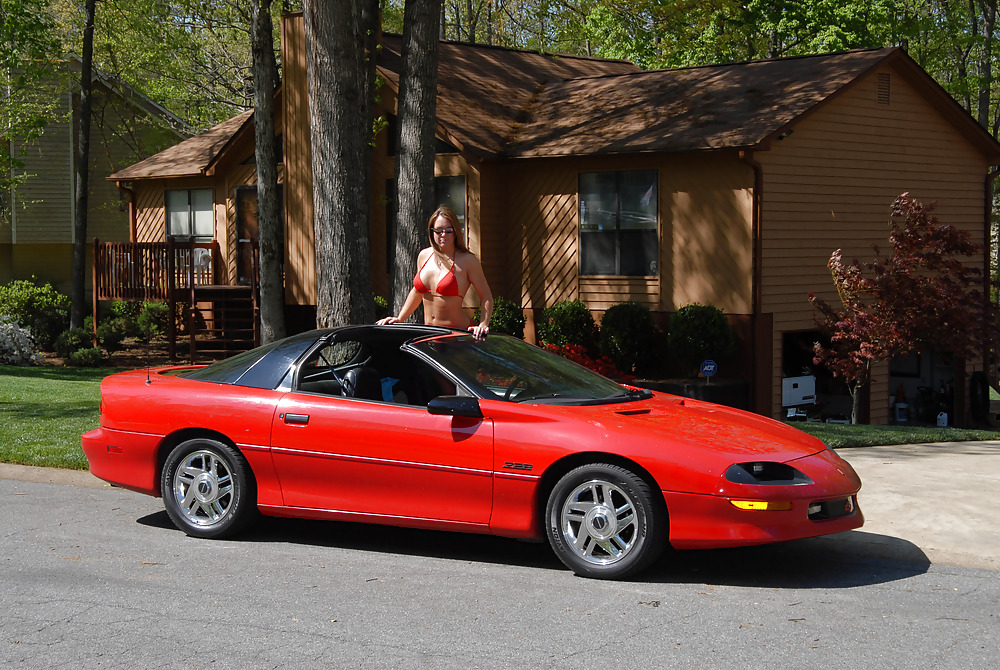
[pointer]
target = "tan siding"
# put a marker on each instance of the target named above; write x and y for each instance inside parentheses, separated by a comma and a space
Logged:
(601, 293)
(705, 221)
(150, 224)
(543, 201)
(501, 234)
(43, 207)
(830, 185)
(300, 250)
(706, 212)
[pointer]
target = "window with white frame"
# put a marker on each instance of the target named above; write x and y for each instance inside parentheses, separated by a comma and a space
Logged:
(618, 223)
(190, 214)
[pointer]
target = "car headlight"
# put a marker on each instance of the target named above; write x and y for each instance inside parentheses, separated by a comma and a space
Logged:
(765, 473)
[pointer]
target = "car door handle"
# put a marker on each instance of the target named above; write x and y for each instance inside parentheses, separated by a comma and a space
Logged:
(302, 419)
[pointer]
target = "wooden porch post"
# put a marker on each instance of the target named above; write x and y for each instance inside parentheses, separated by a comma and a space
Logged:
(171, 301)
(192, 304)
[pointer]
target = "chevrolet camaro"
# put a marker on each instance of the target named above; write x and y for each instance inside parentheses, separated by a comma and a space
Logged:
(431, 428)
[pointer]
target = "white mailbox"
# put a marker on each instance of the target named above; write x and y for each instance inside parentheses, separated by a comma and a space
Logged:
(798, 391)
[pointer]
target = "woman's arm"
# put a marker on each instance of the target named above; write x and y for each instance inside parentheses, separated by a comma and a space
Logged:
(409, 307)
(478, 281)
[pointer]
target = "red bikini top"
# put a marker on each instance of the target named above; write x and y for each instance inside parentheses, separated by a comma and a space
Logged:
(447, 285)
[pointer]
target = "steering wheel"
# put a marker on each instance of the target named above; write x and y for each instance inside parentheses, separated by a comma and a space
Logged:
(511, 387)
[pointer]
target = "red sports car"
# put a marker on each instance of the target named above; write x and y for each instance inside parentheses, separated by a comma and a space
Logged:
(431, 428)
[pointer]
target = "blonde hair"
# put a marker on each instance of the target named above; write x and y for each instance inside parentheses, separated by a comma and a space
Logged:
(452, 218)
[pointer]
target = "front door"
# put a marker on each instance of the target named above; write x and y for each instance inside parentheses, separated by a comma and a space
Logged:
(379, 458)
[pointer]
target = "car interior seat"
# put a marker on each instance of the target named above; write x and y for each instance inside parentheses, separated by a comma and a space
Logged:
(363, 382)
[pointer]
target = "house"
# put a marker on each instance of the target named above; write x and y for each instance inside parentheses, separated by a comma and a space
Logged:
(584, 178)
(125, 127)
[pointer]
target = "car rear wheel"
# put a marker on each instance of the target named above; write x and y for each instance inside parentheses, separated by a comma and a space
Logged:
(208, 488)
(603, 521)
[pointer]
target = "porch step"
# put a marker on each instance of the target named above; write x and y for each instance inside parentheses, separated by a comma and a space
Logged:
(229, 326)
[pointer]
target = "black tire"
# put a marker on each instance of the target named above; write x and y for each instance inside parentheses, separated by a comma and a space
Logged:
(590, 536)
(208, 489)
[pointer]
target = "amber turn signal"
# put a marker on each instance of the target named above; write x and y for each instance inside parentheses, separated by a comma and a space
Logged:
(761, 505)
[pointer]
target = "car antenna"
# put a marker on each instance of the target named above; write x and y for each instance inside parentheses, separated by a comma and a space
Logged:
(147, 331)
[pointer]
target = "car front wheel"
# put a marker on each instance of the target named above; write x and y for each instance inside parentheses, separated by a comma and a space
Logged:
(603, 521)
(208, 489)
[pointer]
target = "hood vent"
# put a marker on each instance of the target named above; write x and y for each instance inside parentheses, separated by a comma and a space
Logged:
(632, 412)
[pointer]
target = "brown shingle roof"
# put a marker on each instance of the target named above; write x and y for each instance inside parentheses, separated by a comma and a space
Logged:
(483, 91)
(503, 103)
(740, 105)
(190, 158)
(711, 107)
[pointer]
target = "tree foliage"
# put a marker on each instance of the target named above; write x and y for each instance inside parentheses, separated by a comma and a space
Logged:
(925, 293)
(192, 56)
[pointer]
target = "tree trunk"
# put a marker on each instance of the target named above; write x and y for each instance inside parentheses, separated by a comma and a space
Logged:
(340, 50)
(856, 396)
(271, 233)
(82, 176)
(417, 123)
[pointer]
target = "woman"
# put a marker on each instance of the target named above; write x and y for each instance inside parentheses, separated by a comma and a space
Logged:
(446, 270)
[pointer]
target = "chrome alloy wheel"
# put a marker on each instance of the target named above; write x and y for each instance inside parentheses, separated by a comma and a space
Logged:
(598, 521)
(203, 488)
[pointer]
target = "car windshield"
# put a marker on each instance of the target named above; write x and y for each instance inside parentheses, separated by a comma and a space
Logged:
(504, 368)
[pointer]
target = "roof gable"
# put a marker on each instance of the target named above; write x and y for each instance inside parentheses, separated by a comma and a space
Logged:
(192, 157)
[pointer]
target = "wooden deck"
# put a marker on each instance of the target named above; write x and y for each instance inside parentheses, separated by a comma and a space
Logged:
(225, 316)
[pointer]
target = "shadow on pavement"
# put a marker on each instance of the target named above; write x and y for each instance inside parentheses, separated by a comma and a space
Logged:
(839, 561)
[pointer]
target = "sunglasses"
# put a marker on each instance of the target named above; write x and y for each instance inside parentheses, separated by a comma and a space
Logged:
(443, 231)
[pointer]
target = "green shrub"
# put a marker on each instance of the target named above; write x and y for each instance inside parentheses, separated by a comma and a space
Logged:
(38, 307)
(127, 314)
(85, 358)
(569, 322)
(507, 318)
(381, 307)
(628, 336)
(73, 340)
(130, 309)
(152, 320)
(699, 332)
(112, 333)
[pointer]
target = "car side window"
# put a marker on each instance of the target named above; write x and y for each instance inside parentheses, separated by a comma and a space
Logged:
(323, 371)
(353, 369)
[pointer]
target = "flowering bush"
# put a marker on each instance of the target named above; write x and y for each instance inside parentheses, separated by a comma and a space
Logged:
(16, 344)
(603, 365)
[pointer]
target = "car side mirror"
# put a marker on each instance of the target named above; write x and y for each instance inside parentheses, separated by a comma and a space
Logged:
(455, 405)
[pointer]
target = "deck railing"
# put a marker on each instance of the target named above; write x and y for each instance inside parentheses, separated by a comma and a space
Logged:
(151, 270)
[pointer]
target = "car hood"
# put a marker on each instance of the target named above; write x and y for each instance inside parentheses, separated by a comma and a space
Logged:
(735, 433)
(664, 425)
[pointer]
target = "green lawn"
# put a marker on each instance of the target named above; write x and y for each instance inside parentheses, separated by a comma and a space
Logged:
(840, 435)
(44, 410)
